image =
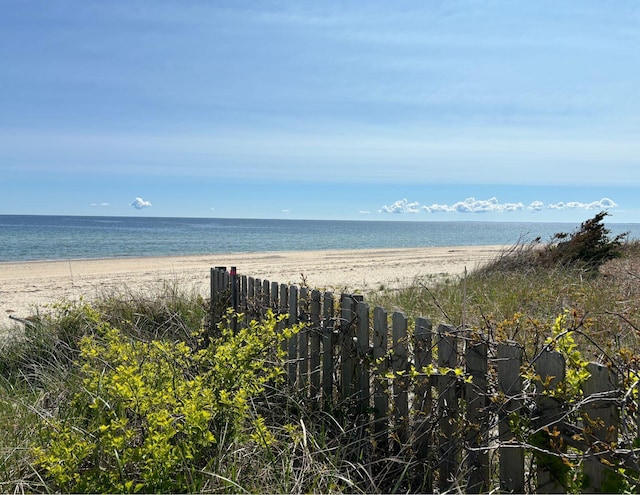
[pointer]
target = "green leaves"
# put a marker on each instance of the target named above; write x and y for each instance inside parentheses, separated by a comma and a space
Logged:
(562, 340)
(150, 414)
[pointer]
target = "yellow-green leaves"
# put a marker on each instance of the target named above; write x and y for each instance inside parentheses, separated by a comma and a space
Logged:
(562, 340)
(150, 412)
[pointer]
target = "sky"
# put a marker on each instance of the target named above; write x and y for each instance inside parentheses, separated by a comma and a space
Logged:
(405, 110)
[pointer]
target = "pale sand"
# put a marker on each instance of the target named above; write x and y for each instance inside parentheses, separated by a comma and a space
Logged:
(27, 286)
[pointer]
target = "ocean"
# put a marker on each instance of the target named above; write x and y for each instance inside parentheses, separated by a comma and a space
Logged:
(36, 237)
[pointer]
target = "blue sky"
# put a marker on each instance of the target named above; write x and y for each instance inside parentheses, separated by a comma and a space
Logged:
(411, 110)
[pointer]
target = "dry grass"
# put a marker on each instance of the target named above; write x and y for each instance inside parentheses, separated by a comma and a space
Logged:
(607, 300)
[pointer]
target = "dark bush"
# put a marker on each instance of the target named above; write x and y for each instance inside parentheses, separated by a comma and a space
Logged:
(586, 249)
(589, 247)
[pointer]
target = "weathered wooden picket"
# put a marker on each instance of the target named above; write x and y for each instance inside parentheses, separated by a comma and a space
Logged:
(448, 398)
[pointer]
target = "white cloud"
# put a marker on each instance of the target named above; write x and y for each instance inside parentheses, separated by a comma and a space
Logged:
(100, 204)
(602, 204)
(401, 206)
(364, 212)
(473, 205)
(140, 203)
(492, 205)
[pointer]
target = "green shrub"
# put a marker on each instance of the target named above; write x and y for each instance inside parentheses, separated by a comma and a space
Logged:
(150, 416)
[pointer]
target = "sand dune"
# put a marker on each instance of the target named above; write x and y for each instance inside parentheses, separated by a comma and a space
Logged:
(25, 286)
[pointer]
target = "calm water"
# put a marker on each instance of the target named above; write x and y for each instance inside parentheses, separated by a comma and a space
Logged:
(27, 238)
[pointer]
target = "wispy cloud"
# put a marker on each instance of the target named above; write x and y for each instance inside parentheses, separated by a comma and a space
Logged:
(492, 205)
(602, 204)
(101, 204)
(140, 204)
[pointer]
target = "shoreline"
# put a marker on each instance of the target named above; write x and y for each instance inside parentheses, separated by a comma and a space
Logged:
(28, 285)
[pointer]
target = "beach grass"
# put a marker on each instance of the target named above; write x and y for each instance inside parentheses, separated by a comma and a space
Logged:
(522, 304)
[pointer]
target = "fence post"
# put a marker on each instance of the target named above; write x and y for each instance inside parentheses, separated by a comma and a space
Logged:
(447, 406)
(217, 288)
(400, 365)
(381, 383)
(511, 455)
(600, 424)
(476, 394)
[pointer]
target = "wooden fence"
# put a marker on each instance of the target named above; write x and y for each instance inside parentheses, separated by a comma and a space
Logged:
(456, 404)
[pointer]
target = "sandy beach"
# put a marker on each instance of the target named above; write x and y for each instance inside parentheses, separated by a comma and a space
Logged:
(30, 285)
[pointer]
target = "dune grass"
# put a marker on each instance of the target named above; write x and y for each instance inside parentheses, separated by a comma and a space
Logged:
(489, 298)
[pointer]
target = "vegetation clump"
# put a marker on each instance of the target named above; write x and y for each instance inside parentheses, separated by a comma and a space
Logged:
(129, 411)
(149, 415)
(588, 248)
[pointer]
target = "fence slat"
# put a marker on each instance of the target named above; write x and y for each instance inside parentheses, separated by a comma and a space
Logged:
(476, 395)
(362, 371)
(447, 406)
(257, 298)
(550, 367)
(349, 358)
(242, 298)
(600, 422)
(273, 297)
(423, 405)
(381, 383)
(292, 364)
(248, 314)
(511, 455)
(400, 367)
(283, 302)
(303, 340)
(327, 349)
(213, 302)
(315, 318)
(266, 297)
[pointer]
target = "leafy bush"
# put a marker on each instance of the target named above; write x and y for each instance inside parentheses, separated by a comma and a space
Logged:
(150, 415)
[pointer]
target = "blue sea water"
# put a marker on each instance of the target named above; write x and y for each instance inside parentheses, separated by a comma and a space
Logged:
(30, 238)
